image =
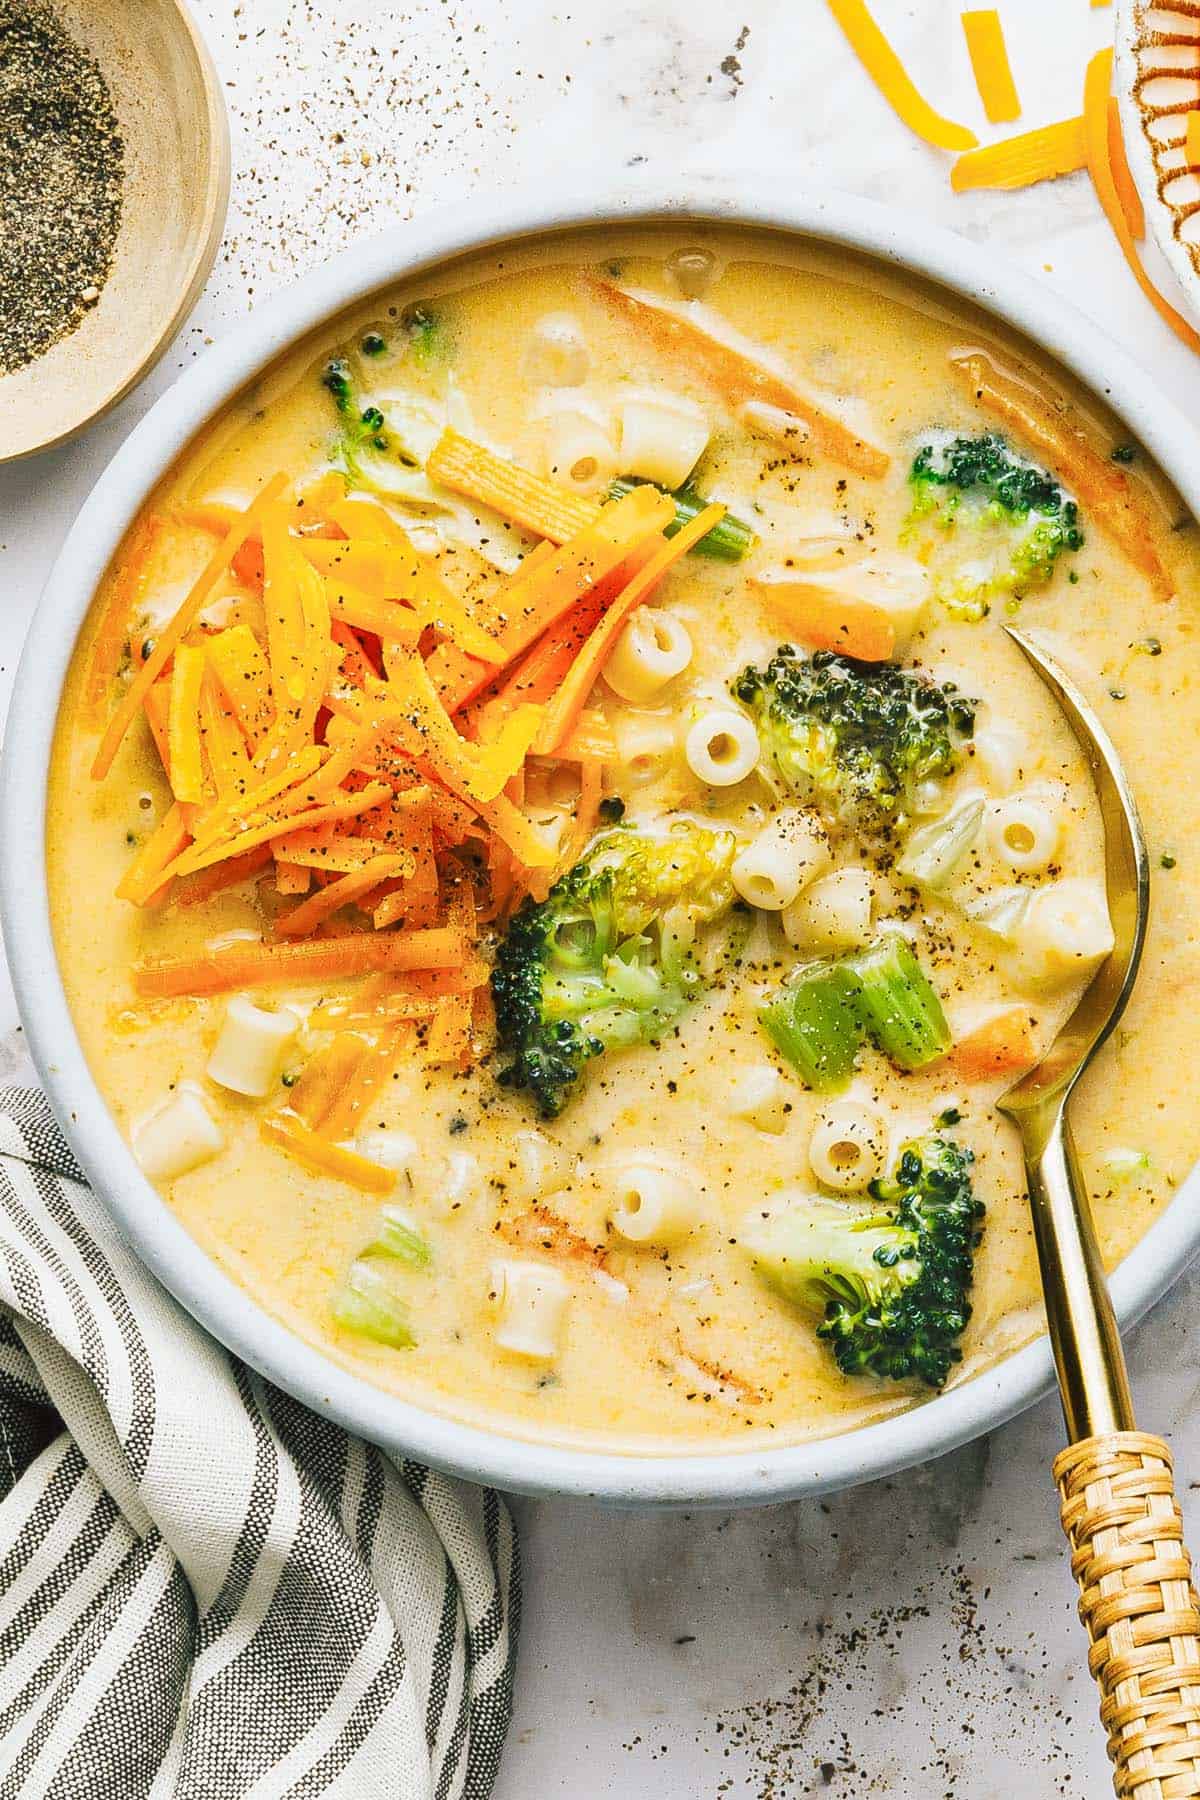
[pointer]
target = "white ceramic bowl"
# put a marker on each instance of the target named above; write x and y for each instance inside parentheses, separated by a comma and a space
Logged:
(727, 1478)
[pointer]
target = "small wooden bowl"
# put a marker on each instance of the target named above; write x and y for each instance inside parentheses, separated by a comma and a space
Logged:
(176, 191)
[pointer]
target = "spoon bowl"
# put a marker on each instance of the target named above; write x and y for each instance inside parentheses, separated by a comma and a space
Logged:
(175, 133)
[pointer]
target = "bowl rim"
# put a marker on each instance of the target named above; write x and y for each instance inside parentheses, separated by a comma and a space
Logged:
(684, 1478)
(215, 154)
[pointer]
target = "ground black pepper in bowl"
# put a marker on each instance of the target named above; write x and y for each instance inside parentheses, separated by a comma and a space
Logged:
(61, 169)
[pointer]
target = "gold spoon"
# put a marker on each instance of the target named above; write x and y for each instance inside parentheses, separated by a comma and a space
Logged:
(1118, 1499)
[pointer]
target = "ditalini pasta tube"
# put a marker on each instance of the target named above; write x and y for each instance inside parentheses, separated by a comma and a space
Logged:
(663, 436)
(999, 751)
(785, 856)
(538, 1165)
(652, 1201)
(721, 748)
(556, 354)
(578, 447)
(180, 1136)
(652, 649)
(250, 1047)
(762, 1096)
(646, 744)
(530, 1301)
(848, 1146)
(1025, 830)
(833, 914)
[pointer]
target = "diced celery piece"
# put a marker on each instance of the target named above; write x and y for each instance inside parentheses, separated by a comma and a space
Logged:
(814, 1023)
(399, 1237)
(898, 1005)
(368, 1304)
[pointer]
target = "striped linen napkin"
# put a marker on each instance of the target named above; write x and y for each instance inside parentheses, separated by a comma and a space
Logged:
(208, 1592)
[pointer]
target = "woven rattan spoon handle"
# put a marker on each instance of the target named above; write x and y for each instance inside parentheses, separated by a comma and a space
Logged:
(1119, 1508)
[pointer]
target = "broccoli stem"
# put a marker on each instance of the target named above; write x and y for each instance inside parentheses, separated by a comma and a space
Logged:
(814, 1023)
(898, 1005)
(729, 539)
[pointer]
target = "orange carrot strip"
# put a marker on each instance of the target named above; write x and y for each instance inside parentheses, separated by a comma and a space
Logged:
(202, 887)
(568, 702)
(173, 633)
(449, 1036)
(229, 966)
(1191, 140)
(1017, 162)
(738, 370)
(1103, 488)
(144, 876)
(889, 75)
(1000, 1045)
(183, 724)
(390, 620)
(828, 618)
(587, 811)
(128, 585)
(323, 1158)
(422, 723)
(240, 668)
(407, 827)
(251, 806)
(541, 1228)
(398, 571)
(157, 706)
(376, 1062)
(281, 603)
(990, 65)
(438, 607)
(410, 996)
(516, 832)
(538, 597)
(1095, 116)
(320, 850)
(303, 920)
(540, 670)
(224, 745)
(539, 506)
(346, 807)
(1127, 194)
(399, 1005)
(290, 877)
(316, 503)
(366, 519)
(323, 1077)
(591, 740)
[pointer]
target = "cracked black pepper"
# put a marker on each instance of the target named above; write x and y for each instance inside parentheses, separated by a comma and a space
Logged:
(61, 166)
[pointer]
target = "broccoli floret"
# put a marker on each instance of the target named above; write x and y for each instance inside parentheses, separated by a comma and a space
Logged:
(891, 1286)
(609, 957)
(382, 443)
(991, 524)
(426, 332)
(363, 438)
(855, 738)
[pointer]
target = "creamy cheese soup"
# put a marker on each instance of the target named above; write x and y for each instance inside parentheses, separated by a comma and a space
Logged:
(554, 858)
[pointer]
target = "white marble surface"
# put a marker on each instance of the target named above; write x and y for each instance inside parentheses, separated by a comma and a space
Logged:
(915, 1638)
